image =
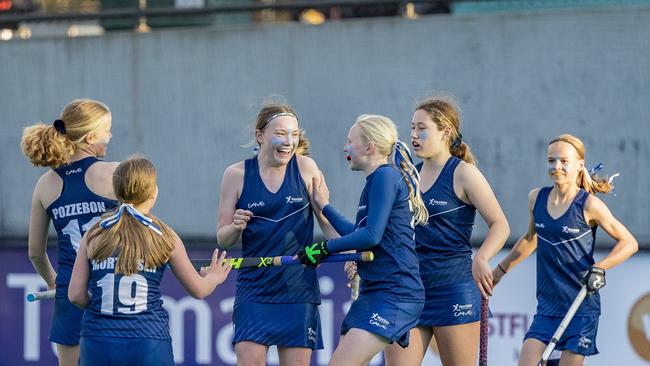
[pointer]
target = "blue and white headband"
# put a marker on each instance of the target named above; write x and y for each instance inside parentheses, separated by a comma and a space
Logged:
(144, 220)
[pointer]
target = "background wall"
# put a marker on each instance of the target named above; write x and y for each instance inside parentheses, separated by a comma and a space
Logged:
(187, 99)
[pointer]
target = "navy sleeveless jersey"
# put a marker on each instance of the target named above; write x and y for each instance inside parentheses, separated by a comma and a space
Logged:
(394, 272)
(443, 244)
(125, 306)
(282, 224)
(75, 211)
(565, 248)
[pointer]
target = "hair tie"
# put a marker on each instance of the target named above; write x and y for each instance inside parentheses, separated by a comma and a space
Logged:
(457, 141)
(144, 220)
(59, 126)
(596, 169)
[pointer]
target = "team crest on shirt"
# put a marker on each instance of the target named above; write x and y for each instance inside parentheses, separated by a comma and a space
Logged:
(377, 320)
(584, 342)
(435, 202)
(291, 199)
(570, 230)
(311, 334)
(256, 204)
(463, 310)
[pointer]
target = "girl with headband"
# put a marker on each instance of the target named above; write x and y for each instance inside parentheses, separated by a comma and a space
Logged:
(117, 275)
(72, 195)
(265, 201)
(562, 227)
(453, 190)
(391, 294)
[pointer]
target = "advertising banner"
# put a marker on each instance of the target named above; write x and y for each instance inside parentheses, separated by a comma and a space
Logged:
(202, 330)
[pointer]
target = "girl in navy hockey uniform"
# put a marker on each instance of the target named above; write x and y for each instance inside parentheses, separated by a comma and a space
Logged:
(453, 190)
(73, 195)
(391, 294)
(562, 227)
(265, 201)
(117, 276)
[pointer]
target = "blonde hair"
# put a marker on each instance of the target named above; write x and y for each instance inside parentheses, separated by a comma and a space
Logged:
(382, 133)
(134, 182)
(590, 183)
(46, 146)
(271, 110)
(445, 113)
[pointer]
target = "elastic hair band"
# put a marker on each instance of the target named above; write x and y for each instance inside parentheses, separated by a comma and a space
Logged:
(59, 126)
(457, 141)
(144, 220)
(274, 116)
(501, 268)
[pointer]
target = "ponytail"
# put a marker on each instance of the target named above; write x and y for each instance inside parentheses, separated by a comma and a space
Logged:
(461, 150)
(590, 182)
(403, 160)
(132, 242)
(45, 146)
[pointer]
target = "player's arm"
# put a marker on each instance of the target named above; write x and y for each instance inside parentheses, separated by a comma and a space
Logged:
(198, 285)
(39, 223)
(478, 192)
(78, 287)
(318, 192)
(381, 196)
(596, 212)
(524, 247)
(231, 221)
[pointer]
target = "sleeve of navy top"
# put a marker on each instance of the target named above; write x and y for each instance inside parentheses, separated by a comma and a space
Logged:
(342, 225)
(381, 196)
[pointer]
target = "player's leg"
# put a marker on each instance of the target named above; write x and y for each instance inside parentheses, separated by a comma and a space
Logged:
(250, 353)
(68, 355)
(569, 358)
(458, 344)
(357, 348)
(419, 338)
(65, 329)
(294, 356)
(531, 352)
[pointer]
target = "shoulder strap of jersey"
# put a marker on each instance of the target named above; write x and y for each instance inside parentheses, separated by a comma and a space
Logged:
(542, 198)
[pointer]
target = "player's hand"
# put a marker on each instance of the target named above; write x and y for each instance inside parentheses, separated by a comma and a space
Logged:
(240, 218)
(219, 268)
(482, 276)
(350, 268)
(594, 279)
(313, 254)
(320, 193)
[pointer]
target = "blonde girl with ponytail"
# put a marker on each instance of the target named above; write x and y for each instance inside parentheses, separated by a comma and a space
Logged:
(562, 228)
(72, 194)
(453, 189)
(118, 271)
(391, 294)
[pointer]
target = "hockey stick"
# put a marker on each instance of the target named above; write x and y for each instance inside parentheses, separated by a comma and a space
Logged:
(483, 342)
(41, 295)
(285, 260)
(562, 327)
